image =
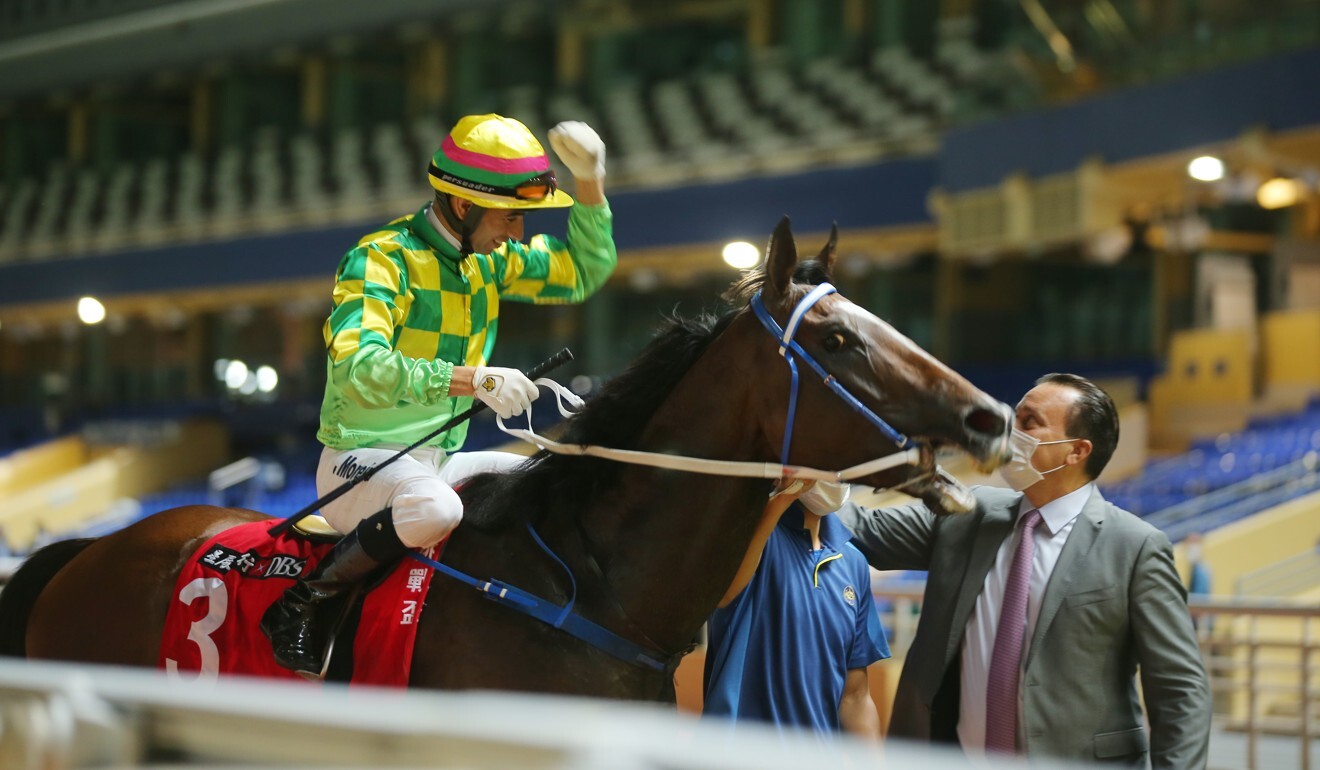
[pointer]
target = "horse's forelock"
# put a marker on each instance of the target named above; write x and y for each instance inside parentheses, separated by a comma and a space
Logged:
(812, 272)
(809, 272)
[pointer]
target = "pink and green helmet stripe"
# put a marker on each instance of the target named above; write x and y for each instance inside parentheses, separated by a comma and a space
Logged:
(491, 151)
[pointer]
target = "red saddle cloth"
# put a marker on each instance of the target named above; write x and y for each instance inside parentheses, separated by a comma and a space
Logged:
(223, 590)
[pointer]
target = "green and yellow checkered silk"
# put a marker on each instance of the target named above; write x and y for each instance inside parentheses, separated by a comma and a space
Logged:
(408, 309)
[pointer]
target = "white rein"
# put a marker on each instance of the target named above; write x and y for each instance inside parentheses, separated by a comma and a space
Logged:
(694, 464)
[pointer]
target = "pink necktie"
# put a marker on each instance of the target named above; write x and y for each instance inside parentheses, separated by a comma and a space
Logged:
(1001, 687)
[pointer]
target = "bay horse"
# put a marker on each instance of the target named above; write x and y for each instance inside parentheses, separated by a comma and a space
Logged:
(653, 550)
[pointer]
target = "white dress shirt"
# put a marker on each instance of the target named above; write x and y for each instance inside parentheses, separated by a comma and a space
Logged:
(1057, 519)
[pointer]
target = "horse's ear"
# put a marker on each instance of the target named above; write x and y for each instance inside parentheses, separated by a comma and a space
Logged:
(780, 260)
(830, 250)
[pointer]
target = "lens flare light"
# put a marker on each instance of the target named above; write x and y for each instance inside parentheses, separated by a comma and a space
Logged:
(1279, 193)
(236, 373)
(741, 255)
(267, 379)
(1206, 168)
(90, 310)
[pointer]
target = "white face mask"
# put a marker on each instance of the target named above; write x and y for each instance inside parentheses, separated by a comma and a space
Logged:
(1019, 472)
(825, 497)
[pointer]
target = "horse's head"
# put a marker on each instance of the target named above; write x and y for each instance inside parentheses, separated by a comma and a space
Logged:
(909, 390)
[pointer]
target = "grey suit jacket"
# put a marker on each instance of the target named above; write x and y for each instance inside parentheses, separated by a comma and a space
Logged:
(1113, 604)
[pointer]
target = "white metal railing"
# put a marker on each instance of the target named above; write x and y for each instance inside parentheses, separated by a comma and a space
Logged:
(254, 476)
(1284, 578)
(63, 716)
(231, 475)
(1262, 658)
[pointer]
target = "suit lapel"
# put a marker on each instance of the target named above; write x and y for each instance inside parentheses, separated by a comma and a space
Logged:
(996, 525)
(1071, 561)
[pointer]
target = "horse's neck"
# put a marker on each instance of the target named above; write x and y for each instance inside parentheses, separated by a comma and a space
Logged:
(672, 541)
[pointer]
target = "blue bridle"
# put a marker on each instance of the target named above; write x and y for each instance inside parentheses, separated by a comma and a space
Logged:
(788, 345)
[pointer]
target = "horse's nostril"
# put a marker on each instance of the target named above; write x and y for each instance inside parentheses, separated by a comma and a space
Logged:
(984, 422)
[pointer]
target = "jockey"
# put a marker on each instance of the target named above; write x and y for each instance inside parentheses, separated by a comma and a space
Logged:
(409, 337)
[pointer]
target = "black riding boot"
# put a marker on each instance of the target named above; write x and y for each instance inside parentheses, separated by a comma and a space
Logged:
(296, 625)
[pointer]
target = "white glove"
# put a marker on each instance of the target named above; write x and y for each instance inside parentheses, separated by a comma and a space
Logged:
(580, 148)
(507, 392)
(825, 497)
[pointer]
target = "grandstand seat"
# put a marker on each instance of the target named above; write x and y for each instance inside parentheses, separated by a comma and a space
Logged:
(268, 176)
(78, 216)
(227, 183)
(864, 101)
(52, 202)
(118, 199)
(152, 202)
(914, 79)
(956, 51)
(352, 182)
(709, 125)
(563, 105)
(14, 225)
(632, 134)
(1210, 467)
(427, 132)
(389, 153)
(307, 189)
(523, 100)
(188, 211)
(726, 104)
(678, 117)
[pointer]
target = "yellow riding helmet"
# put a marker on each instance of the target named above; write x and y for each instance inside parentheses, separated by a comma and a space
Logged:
(495, 162)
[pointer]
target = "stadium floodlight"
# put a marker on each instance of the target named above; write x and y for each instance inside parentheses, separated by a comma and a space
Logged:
(1279, 193)
(741, 255)
(1206, 168)
(267, 379)
(249, 384)
(90, 310)
(236, 373)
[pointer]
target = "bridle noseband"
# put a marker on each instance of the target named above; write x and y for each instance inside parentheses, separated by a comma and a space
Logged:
(789, 345)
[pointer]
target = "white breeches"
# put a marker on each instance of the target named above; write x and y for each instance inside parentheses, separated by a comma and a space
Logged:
(419, 487)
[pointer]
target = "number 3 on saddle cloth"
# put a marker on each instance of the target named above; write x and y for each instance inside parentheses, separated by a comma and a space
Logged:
(221, 594)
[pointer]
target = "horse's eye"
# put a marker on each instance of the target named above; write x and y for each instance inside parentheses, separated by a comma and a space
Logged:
(835, 342)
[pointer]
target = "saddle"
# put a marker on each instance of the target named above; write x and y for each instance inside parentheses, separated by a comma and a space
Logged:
(226, 586)
(315, 528)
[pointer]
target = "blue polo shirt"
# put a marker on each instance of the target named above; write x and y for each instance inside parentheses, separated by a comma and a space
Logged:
(781, 650)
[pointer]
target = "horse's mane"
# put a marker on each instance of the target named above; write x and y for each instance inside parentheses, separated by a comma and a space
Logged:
(614, 418)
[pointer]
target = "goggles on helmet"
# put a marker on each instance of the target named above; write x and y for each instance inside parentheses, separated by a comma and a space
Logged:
(538, 188)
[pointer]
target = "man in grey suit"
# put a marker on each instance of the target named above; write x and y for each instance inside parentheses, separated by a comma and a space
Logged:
(1095, 598)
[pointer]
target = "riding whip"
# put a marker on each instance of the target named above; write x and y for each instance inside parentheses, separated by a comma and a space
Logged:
(540, 370)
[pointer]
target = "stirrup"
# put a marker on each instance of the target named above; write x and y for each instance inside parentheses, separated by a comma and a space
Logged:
(329, 653)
